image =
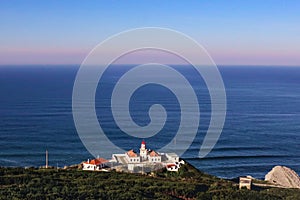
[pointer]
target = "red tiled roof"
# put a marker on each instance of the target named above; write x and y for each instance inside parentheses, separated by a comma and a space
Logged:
(170, 165)
(97, 161)
(153, 153)
(131, 153)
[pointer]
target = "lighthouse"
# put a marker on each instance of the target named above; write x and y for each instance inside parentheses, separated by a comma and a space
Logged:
(143, 150)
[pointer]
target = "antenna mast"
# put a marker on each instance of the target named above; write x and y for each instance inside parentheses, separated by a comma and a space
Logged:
(46, 158)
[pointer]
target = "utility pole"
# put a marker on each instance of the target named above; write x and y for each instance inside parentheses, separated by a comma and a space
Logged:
(46, 159)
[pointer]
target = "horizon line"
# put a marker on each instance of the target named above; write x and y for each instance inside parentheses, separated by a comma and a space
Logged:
(223, 65)
(126, 64)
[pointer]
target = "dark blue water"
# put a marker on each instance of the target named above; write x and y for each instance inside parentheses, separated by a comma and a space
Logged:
(262, 127)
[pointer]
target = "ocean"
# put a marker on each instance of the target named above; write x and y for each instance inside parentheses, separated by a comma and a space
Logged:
(262, 127)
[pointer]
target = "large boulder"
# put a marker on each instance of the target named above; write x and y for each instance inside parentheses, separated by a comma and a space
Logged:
(283, 176)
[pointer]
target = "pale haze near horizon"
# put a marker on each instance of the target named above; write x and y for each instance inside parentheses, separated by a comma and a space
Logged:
(242, 33)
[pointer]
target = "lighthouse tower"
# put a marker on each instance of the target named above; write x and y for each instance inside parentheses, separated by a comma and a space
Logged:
(143, 150)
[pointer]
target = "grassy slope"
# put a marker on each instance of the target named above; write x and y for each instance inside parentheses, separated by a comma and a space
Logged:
(19, 183)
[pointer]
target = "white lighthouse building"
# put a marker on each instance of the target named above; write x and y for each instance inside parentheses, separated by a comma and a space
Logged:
(143, 151)
(147, 158)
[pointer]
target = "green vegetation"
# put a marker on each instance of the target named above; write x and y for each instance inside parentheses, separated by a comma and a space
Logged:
(19, 183)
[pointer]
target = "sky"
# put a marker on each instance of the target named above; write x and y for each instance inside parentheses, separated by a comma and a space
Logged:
(233, 32)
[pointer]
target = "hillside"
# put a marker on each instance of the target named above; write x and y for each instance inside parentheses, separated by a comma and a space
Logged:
(188, 183)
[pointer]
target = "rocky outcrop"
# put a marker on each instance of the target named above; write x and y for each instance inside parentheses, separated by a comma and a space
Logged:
(283, 176)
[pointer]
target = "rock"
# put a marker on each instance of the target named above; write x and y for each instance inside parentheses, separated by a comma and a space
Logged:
(283, 176)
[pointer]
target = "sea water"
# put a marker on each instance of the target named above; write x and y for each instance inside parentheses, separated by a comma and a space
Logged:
(262, 127)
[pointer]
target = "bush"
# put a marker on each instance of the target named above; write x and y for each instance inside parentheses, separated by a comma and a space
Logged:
(18, 183)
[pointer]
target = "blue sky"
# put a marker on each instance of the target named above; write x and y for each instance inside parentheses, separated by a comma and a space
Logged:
(233, 32)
